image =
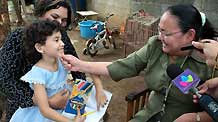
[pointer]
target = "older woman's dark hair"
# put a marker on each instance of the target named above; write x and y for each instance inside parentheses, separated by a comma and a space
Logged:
(37, 32)
(45, 5)
(190, 18)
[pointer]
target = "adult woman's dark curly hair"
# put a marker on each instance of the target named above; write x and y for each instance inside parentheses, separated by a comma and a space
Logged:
(45, 5)
(37, 32)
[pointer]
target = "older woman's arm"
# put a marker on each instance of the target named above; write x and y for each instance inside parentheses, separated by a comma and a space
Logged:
(193, 117)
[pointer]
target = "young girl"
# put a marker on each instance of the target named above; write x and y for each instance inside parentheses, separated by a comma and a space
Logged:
(48, 76)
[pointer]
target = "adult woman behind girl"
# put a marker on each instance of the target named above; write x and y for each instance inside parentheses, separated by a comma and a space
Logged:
(13, 63)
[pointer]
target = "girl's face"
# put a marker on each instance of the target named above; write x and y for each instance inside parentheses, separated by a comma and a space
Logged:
(171, 35)
(59, 15)
(54, 47)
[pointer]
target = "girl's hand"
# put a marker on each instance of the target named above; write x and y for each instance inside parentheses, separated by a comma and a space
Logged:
(101, 99)
(79, 117)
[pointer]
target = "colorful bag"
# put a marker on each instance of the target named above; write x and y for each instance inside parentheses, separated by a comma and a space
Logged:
(79, 96)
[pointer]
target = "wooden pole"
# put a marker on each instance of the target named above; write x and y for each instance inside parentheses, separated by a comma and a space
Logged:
(4, 21)
(18, 12)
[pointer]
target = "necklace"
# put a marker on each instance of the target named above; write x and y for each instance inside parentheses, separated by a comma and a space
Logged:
(169, 87)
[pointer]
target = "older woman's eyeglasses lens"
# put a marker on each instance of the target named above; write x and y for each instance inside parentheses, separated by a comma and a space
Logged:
(167, 34)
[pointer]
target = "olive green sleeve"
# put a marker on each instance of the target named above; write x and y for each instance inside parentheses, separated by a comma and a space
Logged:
(133, 64)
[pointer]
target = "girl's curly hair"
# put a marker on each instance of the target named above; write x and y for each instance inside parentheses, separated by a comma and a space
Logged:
(37, 32)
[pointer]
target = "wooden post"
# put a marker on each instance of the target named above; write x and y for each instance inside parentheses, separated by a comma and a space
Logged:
(4, 21)
(18, 12)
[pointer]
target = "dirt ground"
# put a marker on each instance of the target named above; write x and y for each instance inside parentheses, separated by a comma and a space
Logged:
(118, 106)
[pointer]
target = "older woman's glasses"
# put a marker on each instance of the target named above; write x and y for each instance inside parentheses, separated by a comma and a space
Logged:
(167, 34)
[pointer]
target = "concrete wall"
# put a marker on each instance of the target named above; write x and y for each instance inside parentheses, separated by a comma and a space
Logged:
(124, 8)
(156, 7)
(120, 9)
(209, 7)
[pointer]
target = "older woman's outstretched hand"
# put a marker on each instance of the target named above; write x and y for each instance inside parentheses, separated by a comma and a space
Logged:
(70, 62)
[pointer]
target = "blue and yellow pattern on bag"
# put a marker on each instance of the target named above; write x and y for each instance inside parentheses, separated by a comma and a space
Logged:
(79, 96)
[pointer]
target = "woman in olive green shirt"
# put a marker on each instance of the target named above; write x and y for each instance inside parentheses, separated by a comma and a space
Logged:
(178, 27)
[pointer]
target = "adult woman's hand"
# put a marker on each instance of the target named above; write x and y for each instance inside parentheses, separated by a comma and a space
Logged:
(59, 100)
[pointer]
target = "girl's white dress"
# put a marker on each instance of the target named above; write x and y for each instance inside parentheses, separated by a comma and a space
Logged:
(53, 81)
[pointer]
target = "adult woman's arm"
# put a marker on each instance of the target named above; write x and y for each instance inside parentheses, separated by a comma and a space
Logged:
(12, 67)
